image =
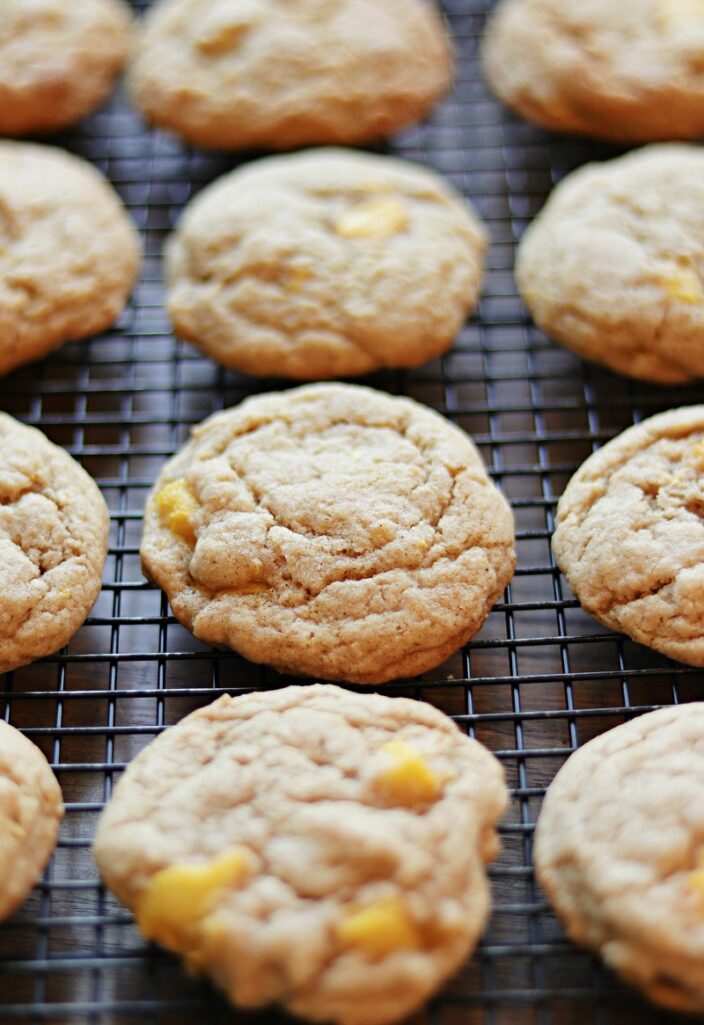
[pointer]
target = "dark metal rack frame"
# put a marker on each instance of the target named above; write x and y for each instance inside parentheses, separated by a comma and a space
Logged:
(539, 679)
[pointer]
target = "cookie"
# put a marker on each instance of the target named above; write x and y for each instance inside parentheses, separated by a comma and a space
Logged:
(325, 264)
(330, 531)
(279, 74)
(619, 850)
(31, 810)
(58, 60)
(311, 847)
(69, 255)
(53, 543)
(613, 267)
(630, 535)
(627, 72)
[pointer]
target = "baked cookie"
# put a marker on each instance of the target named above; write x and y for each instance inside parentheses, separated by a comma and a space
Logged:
(30, 814)
(325, 264)
(58, 60)
(613, 267)
(53, 543)
(69, 255)
(330, 531)
(619, 850)
(630, 535)
(311, 847)
(284, 73)
(628, 72)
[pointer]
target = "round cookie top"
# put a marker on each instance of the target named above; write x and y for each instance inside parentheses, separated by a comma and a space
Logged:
(58, 60)
(53, 543)
(325, 264)
(284, 73)
(309, 846)
(69, 255)
(613, 267)
(629, 72)
(330, 531)
(630, 536)
(31, 810)
(619, 849)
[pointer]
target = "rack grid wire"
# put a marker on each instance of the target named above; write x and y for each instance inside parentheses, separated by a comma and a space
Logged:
(539, 679)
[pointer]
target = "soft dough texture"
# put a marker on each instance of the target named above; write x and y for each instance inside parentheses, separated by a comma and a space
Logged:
(53, 543)
(284, 73)
(628, 71)
(613, 267)
(630, 534)
(69, 255)
(619, 850)
(325, 264)
(31, 810)
(58, 60)
(330, 531)
(291, 778)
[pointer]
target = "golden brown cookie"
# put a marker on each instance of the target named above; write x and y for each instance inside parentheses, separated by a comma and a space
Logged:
(309, 846)
(53, 543)
(613, 267)
(330, 531)
(31, 810)
(58, 60)
(619, 850)
(630, 534)
(628, 71)
(325, 264)
(284, 73)
(69, 255)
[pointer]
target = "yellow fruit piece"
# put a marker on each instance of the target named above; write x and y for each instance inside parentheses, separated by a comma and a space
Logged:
(380, 929)
(177, 507)
(179, 897)
(296, 277)
(409, 779)
(673, 13)
(695, 882)
(684, 283)
(698, 452)
(374, 218)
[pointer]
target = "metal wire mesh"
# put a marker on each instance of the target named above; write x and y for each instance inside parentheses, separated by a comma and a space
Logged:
(540, 678)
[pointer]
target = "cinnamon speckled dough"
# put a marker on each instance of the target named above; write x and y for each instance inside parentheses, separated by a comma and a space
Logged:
(325, 264)
(30, 814)
(292, 775)
(613, 267)
(284, 73)
(339, 533)
(53, 543)
(629, 72)
(69, 255)
(619, 847)
(630, 533)
(58, 60)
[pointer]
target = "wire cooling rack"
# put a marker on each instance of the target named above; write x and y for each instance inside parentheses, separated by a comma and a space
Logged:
(539, 679)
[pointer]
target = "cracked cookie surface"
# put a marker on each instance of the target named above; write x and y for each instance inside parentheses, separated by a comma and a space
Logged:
(318, 886)
(330, 531)
(58, 60)
(53, 543)
(69, 255)
(31, 810)
(613, 267)
(630, 533)
(325, 264)
(628, 72)
(619, 850)
(278, 74)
